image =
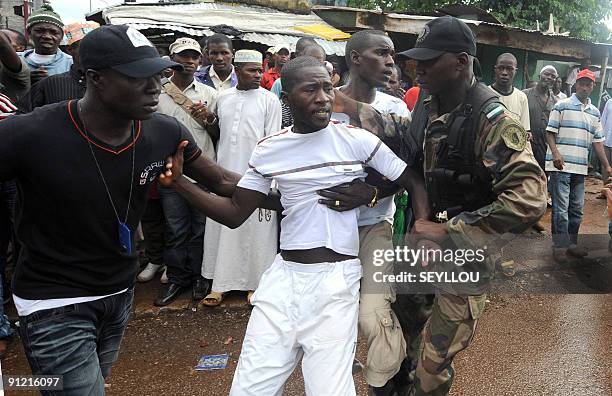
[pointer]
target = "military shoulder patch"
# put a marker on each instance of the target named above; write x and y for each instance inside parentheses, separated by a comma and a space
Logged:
(514, 136)
(493, 111)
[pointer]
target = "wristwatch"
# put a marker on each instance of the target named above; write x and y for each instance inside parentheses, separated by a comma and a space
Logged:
(374, 200)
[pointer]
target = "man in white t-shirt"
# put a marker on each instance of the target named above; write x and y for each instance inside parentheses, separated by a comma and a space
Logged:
(557, 86)
(517, 107)
(514, 99)
(307, 302)
(369, 54)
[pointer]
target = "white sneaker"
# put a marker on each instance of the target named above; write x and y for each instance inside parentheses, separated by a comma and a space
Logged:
(149, 272)
(164, 277)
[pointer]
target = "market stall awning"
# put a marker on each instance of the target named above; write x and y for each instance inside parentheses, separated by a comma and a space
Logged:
(257, 24)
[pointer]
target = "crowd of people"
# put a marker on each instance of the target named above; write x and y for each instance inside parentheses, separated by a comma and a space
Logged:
(291, 172)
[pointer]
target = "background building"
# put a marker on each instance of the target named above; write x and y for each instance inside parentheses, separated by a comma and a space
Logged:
(8, 19)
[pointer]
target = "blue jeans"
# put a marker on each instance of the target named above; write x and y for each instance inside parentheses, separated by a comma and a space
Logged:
(78, 341)
(184, 238)
(7, 202)
(567, 191)
(5, 325)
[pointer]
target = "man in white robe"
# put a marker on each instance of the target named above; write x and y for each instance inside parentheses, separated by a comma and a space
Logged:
(236, 259)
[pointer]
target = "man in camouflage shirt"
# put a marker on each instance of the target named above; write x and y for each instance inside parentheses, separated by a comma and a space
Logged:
(505, 193)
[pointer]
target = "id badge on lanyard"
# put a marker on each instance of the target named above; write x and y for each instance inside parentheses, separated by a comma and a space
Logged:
(125, 238)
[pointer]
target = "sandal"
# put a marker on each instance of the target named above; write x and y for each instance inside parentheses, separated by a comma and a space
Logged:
(213, 299)
(508, 268)
(249, 296)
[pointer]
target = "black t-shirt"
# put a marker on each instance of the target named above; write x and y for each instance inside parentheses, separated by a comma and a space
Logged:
(65, 221)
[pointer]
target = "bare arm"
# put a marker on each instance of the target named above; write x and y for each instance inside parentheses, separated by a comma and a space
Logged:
(230, 211)
(551, 139)
(601, 155)
(216, 178)
(213, 131)
(8, 56)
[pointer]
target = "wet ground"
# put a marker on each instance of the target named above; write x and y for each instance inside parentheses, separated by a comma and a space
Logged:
(526, 344)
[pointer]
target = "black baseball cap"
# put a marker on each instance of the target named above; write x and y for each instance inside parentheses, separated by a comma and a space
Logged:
(124, 49)
(440, 35)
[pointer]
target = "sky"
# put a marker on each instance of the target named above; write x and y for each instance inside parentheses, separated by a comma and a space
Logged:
(73, 11)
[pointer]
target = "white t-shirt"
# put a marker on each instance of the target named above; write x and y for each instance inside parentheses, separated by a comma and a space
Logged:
(517, 106)
(302, 164)
(388, 104)
(41, 59)
(384, 209)
(26, 307)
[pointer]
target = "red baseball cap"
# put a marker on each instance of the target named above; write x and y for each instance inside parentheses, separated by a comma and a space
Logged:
(586, 73)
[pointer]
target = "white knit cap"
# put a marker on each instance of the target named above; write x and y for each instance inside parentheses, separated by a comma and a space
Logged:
(248, 56)
(549, 67)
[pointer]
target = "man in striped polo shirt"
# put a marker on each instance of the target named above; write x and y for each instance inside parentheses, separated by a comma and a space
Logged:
(572, 127)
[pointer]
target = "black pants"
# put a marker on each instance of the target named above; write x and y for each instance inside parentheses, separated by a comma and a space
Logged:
(538, 145)
(153, 228)
(184, 238)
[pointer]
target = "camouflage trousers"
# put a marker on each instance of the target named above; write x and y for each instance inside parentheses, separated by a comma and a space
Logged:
(448, 331)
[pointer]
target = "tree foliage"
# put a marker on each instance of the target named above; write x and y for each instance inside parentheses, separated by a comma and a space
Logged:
(582, 18)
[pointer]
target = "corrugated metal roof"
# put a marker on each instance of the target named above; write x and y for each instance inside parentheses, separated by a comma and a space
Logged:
(330, 47)
(261, 25)
(176, 28)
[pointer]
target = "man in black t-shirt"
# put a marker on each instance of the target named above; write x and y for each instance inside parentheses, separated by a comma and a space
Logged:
(83, 169)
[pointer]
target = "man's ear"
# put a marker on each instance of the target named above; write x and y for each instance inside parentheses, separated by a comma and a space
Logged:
(463, 61)
(355, 57)
(94, 78)
(284, 97)
(70, 50)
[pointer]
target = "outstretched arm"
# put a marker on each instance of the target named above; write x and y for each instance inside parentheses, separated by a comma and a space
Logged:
(230, 211)
(216, 178)
(223, 182)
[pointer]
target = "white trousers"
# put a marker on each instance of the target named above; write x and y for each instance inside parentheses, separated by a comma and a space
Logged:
(306, 311)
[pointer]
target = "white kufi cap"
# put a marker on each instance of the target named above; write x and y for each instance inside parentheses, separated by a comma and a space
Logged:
(248, 56)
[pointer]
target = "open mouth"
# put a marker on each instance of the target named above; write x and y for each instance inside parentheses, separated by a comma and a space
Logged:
(322, 112)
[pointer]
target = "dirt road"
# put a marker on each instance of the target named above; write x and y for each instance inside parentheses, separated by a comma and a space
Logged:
(526, 344)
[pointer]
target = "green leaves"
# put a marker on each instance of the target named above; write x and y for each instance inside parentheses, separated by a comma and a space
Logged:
(582, 18)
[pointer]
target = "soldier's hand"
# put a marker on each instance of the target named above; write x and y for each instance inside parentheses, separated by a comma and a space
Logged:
(430, 230)
(174, 166)
(429, 249)
(347, 196)
(558, 161)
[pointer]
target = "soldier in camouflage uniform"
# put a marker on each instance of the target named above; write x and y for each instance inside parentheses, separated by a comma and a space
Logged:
(480, 173)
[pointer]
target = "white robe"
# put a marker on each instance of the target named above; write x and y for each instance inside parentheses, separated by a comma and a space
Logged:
(236, 259)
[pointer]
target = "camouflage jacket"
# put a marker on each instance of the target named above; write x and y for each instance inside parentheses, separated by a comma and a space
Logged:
(517, 181)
